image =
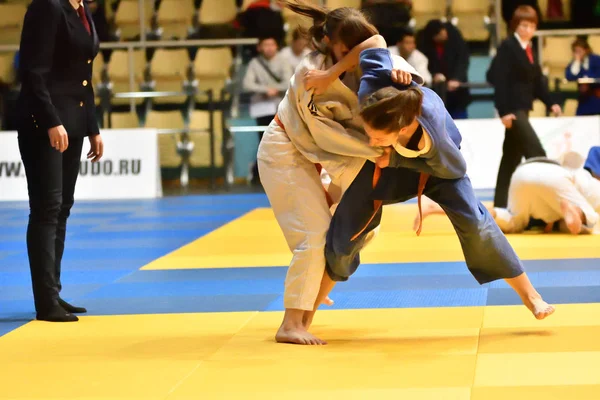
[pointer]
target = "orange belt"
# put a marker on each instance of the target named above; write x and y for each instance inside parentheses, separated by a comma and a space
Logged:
(377, 203)
(319, 167)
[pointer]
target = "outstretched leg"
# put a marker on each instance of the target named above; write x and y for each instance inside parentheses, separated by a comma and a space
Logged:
(487, 252)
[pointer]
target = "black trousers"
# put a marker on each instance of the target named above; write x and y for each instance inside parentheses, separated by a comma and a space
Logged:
(519, 141)
(51, 178)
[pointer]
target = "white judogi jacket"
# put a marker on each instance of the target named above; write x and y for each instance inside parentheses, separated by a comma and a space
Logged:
(326, 128)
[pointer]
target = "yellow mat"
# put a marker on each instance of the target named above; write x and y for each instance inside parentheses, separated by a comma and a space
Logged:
(478, 353)
(255, 240)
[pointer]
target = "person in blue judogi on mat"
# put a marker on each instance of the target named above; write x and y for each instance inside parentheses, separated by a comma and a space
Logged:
(421, 156)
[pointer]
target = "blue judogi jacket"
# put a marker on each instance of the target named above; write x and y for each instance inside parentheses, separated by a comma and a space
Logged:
(444, 160)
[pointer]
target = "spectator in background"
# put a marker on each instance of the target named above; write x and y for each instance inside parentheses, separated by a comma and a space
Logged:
(448, 56)
(517, 79)
(296, 51)
(388, 16)
(267, 78)
(261, 19)
(406, 47)
(585, 64)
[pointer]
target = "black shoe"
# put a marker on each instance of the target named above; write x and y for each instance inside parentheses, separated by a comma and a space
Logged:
(70, 308)
(56, 314)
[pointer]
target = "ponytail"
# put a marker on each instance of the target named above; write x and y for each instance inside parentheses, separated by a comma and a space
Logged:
(317, 13)
(390, 109)
(345, 24)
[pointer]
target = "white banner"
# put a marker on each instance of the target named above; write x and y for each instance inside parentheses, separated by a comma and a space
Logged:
(129, 169)
(483, 140)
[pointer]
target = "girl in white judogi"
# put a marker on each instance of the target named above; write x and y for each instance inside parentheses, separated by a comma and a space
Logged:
(312, 131)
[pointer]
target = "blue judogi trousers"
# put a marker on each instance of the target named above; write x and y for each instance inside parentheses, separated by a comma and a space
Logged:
(488, 254)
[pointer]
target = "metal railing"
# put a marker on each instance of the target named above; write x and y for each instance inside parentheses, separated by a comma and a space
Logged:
(161, 43)
(143, 44)
(184, 145)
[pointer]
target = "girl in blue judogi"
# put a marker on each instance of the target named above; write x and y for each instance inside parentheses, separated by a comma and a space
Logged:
(421, 156)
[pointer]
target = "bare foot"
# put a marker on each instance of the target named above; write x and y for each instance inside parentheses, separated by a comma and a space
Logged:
(297, 335)
(539, 307)
(328, 301)
(572, 217)
(307, 319)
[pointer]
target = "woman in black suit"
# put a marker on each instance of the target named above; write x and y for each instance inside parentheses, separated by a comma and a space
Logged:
(56, 113)
(518, 80)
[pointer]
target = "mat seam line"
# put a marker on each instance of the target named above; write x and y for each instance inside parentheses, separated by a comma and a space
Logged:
(477, 352)
(182, 380)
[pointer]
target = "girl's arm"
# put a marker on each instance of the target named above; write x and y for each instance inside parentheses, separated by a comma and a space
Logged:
(319, 123)
(320, 80)
(351, 60)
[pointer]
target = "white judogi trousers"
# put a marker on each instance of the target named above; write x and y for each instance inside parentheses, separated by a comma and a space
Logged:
(536, 190)
(295, 191)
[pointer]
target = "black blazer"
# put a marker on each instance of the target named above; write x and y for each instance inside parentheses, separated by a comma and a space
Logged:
(454, 65)
(517, 82)
(55, 69)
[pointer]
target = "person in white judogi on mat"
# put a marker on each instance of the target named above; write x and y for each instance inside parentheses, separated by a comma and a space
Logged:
(565, 191)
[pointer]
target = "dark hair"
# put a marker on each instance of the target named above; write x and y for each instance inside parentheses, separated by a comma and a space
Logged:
(263, 38)
(432, 28)
(583, 43)
(523, 13)
(390, 109)
(346, 24)
(404, 32)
